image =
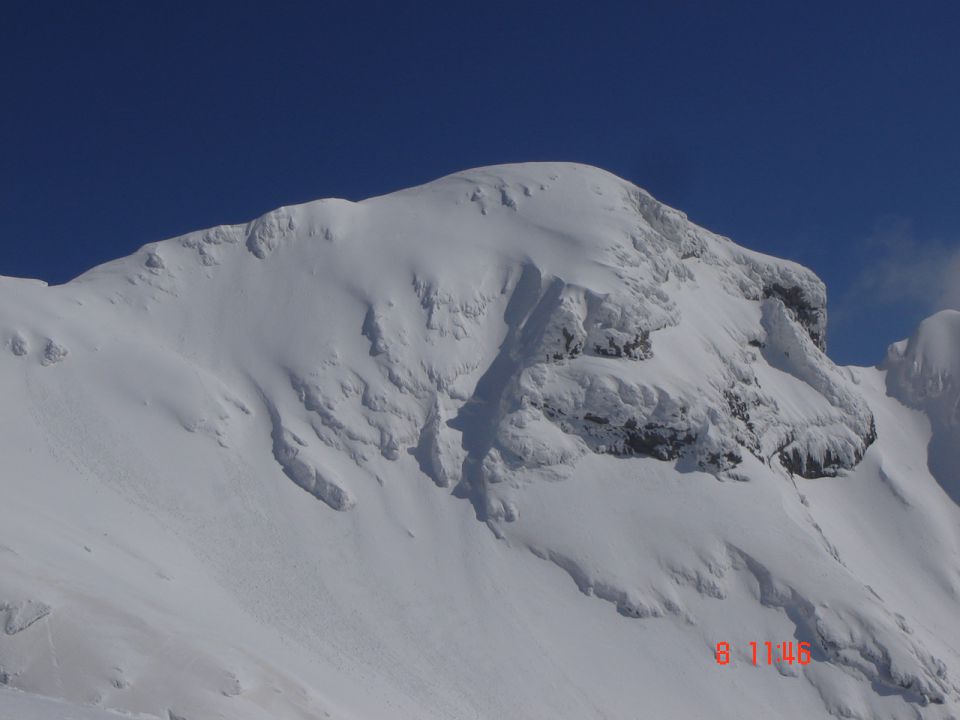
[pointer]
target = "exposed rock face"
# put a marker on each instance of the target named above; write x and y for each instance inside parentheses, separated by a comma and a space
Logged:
(811, 315)
(715, 407)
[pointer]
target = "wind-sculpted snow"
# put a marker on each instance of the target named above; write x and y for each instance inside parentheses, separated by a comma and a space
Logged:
(715, 407)
(521, 442)
(22, 614)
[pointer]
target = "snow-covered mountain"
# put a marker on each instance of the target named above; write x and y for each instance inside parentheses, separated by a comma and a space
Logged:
(519, 443)
(924, 373)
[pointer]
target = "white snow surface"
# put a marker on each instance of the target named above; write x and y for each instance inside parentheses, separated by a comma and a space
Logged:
(519, 443)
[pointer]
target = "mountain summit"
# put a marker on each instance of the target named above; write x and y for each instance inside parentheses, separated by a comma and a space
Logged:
(522, 442)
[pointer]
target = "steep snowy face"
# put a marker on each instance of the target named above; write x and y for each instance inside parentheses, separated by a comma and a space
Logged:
(582, 364)
(651, 337)
(619, 326)
(677, 362)
(509, 319)
(924, 372)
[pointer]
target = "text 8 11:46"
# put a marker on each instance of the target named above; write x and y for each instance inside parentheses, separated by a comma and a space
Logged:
(768, 653)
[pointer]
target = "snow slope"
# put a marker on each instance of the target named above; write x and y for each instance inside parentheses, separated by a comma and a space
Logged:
(522, 442)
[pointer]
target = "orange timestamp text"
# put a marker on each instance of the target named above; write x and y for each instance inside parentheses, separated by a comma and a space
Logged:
(784, 652)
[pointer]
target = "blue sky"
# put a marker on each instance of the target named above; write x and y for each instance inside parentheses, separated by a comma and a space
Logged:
(822, 132)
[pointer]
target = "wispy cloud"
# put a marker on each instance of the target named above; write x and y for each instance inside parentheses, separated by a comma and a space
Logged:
(899, 280)
(900, 268)
(950, 295)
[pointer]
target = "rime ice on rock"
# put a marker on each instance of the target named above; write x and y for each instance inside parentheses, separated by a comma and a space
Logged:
(18, 345)
(53, 353)
(154, 261)
(265, 233)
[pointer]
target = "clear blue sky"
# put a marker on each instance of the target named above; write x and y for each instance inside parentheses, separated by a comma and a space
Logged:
(823, 132)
